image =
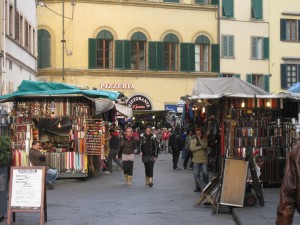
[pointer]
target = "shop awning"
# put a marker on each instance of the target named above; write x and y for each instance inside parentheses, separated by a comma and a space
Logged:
(226, 87)
(124, 110)
(37, 88)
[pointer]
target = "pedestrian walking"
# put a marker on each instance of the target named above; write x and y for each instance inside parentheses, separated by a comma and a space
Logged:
(128, 148)
(149, 152)
(114, 145)
(36, 158)
(188, 154)
(199, 148)
(175, 144)
(290, 189)
(165, 136)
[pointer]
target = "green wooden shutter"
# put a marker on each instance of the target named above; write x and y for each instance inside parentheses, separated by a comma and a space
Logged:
(257, 9)
(184, 56)
(282, 29)
(46, 52)
(254, 48)
(214, 2)
(155, 55)
(230, 46)
(298, 30)
(187, 57)
(118, 54)
(92, 53)
(267, 82)
(224, 46)
(283, 76)
(191, 57)
(231, 8)
(176, 1)
(298, 73)
(249, 78)
(220, 75)
(126, 54)
(160, 55)
(237, 75)
(152, 56)
(40, 47)
(199, 1)
(215, 58)
(266, 48)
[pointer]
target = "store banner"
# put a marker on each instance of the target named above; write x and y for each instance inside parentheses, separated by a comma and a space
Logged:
(171, 108)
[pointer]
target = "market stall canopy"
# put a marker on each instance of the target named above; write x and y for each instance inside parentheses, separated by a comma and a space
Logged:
(295, 88)
(220, 87)
(37, 88)
(124, 110)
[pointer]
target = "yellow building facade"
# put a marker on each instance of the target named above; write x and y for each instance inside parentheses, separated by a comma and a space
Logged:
(284, 44)
(151, 48)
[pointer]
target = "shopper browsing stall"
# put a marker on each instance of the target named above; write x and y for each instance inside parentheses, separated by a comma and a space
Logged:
(128, 148)
(199, 148)
(36, 158)
(114, 145)
(149, 152)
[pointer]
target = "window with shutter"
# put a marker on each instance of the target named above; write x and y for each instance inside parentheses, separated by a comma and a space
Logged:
(228, 8)
(138, 51)
(202, 47)
(92, 53)
(291, 74)
(171, 52)
(257, 9)
(291, 30)
(227, 46)
(257, 48)
(44, 49)
(104, 50)
(187, 57)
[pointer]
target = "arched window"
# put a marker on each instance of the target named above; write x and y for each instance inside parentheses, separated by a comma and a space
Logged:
(138, 51)
(171, 52)
(44, 49)
(104, 49)
(202, 46)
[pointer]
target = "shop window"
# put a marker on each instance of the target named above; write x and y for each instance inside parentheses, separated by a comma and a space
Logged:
(171, 52)
(259, 80)
(138, 51)
(227, 46)
(228, 8)
(257, 9)
(289, 30)
(44, 49)
(259, 48)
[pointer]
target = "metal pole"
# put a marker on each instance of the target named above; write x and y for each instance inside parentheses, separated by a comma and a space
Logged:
(63, 39)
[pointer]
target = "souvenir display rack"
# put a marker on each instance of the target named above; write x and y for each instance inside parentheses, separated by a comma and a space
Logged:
(259, 131)
(72, 160)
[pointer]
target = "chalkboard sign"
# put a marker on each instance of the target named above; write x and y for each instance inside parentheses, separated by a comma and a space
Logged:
(27, 191)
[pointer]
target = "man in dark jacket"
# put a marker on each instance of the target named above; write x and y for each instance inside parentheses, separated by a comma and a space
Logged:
(175, 144)
(114, 148)
(36, 158)
(290, 189)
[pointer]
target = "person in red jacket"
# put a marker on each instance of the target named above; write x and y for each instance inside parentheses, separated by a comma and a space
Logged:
(165, 136)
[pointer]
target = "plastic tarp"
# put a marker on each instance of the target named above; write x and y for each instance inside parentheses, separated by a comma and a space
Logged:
(124, 110)
(37, 88)
(295, 88)
(226, 87)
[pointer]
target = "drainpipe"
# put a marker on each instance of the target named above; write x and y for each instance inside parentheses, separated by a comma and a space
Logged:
(219, 32)
(3, 71)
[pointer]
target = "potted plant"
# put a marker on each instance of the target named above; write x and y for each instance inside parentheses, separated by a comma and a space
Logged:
(5, 161)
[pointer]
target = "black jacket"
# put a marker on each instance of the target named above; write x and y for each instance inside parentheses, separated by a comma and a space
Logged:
(149, 145)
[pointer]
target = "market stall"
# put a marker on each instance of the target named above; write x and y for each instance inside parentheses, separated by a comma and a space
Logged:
(71, 124)
(242, 121)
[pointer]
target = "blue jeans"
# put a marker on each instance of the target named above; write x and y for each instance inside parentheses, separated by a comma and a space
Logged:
(200, 170)
(51, 175)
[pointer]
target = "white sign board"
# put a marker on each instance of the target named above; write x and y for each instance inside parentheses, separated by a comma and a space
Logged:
(26, 188)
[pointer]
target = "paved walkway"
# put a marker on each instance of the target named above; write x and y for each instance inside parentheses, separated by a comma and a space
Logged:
(107, 200)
